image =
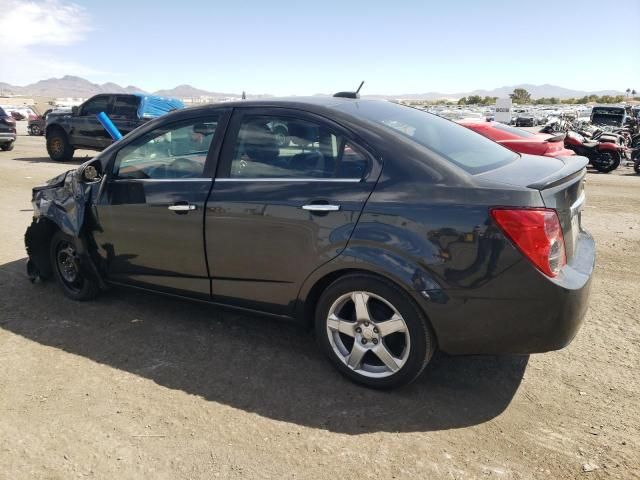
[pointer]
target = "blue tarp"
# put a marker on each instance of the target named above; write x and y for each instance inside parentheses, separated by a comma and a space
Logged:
(152, 106)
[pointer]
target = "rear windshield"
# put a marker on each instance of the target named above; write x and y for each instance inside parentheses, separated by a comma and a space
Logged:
(461, 146)
(516, 131)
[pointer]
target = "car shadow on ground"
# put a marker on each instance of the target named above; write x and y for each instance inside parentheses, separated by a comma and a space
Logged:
(252, 363)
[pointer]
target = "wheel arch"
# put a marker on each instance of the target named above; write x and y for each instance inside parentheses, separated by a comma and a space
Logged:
(413, 279)
(54, 127)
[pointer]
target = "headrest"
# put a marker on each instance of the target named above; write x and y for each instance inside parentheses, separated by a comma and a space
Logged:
(303, 134)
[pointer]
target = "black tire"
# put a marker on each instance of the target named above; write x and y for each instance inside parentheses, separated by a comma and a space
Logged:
(67, 268)
(58, 146)
(636, 166)
(608, 166)
(421, 339)
(7, 147)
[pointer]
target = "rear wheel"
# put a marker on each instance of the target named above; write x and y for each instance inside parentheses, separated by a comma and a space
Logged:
(58, 146)
(6, 147)
(373, 332)
(606, 161)
(66, 266)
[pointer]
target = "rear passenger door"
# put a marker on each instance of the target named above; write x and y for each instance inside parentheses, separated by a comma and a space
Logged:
(281, 206)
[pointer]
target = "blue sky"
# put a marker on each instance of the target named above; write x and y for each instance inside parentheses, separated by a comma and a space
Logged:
(306, 47)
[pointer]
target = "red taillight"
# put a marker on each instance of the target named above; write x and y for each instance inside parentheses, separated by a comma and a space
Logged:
(537, 233)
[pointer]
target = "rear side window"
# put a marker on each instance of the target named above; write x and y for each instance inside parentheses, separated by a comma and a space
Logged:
(125, 106)
(289, 147)
(96, 105)
(461, 146)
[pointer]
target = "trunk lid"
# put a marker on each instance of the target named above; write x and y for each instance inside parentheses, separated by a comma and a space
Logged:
(560, 181)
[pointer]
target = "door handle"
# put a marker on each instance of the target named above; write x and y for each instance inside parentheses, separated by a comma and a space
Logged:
(182, 207)
(321, 207)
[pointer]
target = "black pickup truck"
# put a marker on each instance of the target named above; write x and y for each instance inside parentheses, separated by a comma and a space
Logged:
(80, 129)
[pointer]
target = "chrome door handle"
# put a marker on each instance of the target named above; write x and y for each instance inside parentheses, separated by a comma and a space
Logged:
(182, 208)
(321, 207)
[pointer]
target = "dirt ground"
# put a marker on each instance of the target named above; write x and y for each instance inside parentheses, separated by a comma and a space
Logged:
(138, 386)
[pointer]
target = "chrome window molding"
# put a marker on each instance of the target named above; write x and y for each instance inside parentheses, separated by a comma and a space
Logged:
(153, 180)
(323, 180)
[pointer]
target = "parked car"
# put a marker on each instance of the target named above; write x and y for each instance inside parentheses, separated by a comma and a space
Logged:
(7, 131)
(36, 125)
(391, 231)
(609, 116)
(526, 120)
(519, 140)
(66, 132)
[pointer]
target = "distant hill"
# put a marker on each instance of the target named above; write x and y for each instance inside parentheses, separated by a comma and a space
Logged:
(536, 91)
(67, 86)
(72, 86)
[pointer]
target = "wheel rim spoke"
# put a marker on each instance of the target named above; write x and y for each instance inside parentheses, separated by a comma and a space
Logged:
(360, 300)
(385, 356)
(342, 326)
(393, 325)
(356, 355)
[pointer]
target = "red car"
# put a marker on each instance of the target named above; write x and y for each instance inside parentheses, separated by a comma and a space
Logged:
(519, 140)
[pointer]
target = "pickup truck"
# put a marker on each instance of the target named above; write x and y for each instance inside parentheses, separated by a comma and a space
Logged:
(80, 129)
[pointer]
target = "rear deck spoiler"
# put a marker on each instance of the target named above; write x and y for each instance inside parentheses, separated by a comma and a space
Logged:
(573, 167)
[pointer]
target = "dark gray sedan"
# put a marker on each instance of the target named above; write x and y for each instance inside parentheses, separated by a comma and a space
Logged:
(390, 231)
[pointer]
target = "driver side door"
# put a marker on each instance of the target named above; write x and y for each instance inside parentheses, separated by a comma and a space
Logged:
(151, 210)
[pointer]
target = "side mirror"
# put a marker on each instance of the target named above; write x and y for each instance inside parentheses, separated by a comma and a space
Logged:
(90, 172)
(75, 111)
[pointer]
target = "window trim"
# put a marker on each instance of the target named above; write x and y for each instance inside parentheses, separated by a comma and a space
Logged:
(225, 159)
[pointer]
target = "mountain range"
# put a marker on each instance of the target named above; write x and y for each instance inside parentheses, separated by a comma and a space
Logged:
(77, 87)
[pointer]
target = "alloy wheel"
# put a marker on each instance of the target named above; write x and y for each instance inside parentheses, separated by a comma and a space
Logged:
(368, 334)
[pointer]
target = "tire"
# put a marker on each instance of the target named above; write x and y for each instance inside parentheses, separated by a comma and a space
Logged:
(610, 165)
(67, 269)
(409, 338)
(58, 146)
(636, 166)
(7, 147)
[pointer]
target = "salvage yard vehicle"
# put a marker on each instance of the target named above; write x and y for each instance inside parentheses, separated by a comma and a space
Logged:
(610, 116)
(519, 140)
(390, 231)
(66, 132)
(526, 120)
(7, 131)
(604, 156)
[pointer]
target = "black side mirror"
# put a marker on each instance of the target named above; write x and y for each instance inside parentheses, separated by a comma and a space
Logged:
(90, 172)
(75, 111)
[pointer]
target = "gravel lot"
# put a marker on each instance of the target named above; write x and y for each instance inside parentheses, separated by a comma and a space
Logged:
(140, 386)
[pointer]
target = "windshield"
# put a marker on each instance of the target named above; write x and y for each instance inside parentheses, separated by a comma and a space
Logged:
(607, 119)
(461, 146)
(515, 131)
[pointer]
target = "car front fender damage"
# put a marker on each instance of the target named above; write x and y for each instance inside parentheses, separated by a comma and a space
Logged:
(60, 204)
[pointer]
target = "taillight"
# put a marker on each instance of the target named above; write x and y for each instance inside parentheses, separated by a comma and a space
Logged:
(537, 233)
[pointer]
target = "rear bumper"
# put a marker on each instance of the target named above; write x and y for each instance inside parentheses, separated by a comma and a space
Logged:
(536, 314)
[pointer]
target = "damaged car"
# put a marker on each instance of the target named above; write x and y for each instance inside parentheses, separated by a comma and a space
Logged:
(389, 231)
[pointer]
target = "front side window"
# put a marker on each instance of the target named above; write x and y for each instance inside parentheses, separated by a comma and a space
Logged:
(289, 147)
(177, 150)
(95, 106)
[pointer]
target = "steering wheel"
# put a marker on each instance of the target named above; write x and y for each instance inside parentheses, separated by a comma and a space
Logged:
(184, 168)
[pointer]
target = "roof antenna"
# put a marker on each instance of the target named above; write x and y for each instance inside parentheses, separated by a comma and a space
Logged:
(355, 94)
